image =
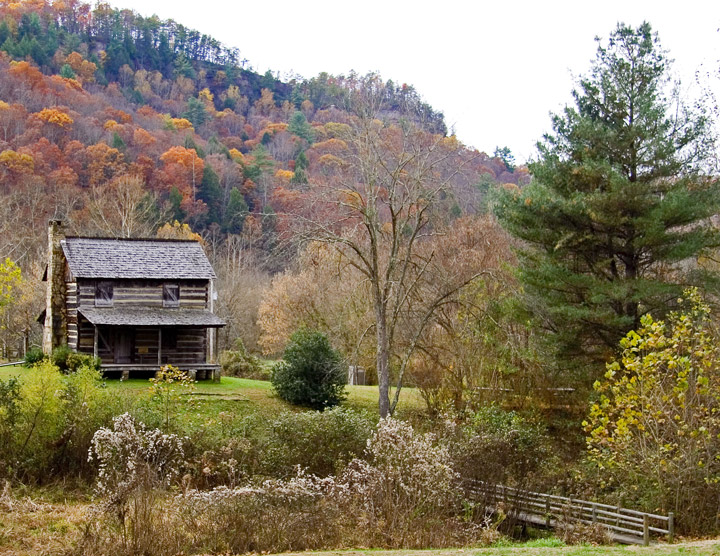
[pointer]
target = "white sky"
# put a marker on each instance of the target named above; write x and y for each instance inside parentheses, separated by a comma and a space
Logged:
(496, 69)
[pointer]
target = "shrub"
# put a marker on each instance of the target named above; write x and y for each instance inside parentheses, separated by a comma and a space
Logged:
(59, 357)
(47, 421)
(69, 361)
(134, 466)
(406, 494)
(312, 373)
(319, 443)
(276, 516)
(654, 430)
(240, 363)
(166, 396)
(9, 414)
(34, 356)
(510, 447)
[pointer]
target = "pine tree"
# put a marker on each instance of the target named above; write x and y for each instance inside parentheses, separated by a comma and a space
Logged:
(619, 206)
(299, 126)
(211, 193)
(235, 213)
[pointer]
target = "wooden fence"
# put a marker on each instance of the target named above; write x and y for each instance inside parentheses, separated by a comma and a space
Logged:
(12, 364)
(624, 525)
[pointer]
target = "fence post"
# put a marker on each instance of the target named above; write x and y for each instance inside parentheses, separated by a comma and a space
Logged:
(646, 530)
(671, 527)
(547, 512)
(594, 513)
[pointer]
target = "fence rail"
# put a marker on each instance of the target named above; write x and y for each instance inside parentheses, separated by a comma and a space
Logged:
(625, 525)
(12, 364)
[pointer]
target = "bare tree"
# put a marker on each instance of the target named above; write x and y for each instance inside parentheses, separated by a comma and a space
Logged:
(385, 209)
(123, 208)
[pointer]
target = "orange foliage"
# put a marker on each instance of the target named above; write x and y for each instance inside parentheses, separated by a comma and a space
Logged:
(142, 138)
(84, 69)
(266, 103)
(147, 111)
(183, 169)
(63, 177)
(28, 73)
(104, 163)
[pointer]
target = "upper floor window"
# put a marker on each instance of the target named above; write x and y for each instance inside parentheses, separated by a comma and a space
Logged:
(171, 295)
(103, 294)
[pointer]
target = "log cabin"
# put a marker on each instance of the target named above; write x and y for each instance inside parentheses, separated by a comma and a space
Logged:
(137, 304)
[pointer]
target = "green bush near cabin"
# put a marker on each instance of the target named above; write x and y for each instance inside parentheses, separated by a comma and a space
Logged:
(312, 373)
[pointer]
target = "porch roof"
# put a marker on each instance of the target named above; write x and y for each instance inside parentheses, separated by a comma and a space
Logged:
(150, 316)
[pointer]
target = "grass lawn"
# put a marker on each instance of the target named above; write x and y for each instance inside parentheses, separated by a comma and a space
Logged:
(243, 395)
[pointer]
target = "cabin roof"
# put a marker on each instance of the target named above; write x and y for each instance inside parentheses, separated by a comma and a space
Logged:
(150, 316)
(136, 258)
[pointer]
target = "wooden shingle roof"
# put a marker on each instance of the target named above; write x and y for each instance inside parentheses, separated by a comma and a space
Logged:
(150, 316)
(136, 258)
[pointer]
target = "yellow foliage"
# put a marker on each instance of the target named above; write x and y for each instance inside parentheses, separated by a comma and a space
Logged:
(237, 156)
(335, 129)
(206, 96)
(331, 160)
(181, 123)
(285, 175)
(332, 145)
(176, 230)
(110, 124)
(16, 162)
(56, 117)
(451, 142)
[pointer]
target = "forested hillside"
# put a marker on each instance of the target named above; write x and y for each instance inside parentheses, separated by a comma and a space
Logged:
(118, 123)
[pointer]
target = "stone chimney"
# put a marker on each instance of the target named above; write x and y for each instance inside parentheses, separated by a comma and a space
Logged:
(55, 329)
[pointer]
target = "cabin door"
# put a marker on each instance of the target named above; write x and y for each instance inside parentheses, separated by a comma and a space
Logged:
(124, 346)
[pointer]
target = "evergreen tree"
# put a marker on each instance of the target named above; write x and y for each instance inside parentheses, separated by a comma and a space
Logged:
(67, 72)
(299, 126)
(235, 213)
(505, 154)
(301, 164)
(619, 206)
(118, 143)
(175, 200)
(211, 193)
(195, 112)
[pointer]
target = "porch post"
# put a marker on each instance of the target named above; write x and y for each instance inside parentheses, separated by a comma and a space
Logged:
(211, 331)
(95, 341)
(159, 347)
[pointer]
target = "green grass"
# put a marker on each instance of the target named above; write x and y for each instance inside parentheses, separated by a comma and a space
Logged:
(241, 395)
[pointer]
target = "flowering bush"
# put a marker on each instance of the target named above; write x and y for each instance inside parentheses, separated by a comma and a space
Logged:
(275, 516)
(406, 494)
(131, 458)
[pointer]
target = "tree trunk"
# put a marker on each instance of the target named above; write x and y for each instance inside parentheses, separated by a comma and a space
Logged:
(383, 359)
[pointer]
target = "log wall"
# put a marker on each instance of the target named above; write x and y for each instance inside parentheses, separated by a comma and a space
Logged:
(146, 293)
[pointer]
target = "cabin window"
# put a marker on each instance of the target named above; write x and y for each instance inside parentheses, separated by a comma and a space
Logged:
(103, 294)
(171, 295)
